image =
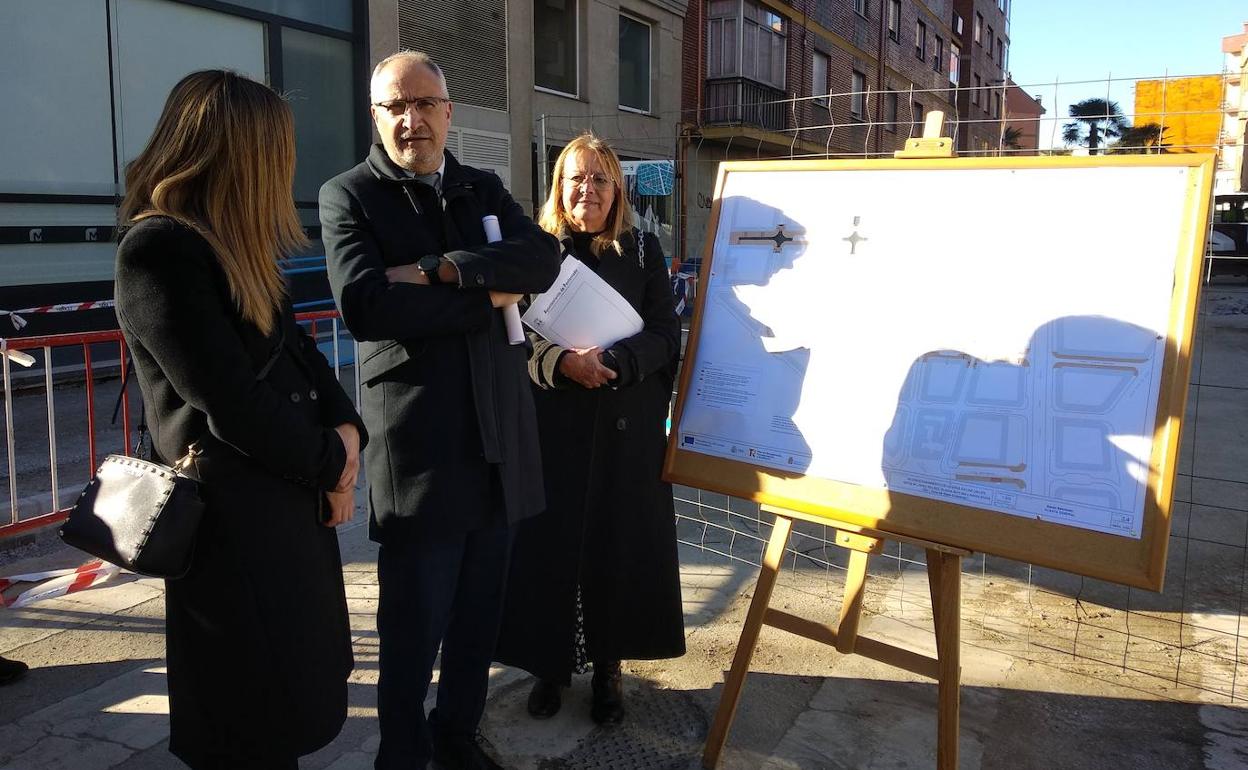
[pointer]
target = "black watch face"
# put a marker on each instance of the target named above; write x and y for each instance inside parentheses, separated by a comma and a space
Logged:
(429, 264)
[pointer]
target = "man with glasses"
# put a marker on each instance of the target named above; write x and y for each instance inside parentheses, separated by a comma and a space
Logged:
(421, 286)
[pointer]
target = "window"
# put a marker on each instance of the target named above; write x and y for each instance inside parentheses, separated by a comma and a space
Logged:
(988, 45)
(634, 64)
(762, 57)
(957, 25)
(555, 46)
(938, 54)
(1000, 54)
(860, 7)
(996, 104)
(920, 40)
(319, 87)
(955, 63)
(819, 78)
(979, 28)
(723, 18)
(894, 19)
(975, 90)
(758, 53)
(916, 112)
(890, 110)
(857, 93)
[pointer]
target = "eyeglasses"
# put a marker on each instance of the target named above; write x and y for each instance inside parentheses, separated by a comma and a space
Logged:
(425, 105)
(598, 181)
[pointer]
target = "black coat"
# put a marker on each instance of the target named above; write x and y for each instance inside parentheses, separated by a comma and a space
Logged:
(609, 522)
(444, 393)
(258, 641)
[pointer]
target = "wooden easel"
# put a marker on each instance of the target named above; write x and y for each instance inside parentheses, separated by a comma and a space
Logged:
(944, 565)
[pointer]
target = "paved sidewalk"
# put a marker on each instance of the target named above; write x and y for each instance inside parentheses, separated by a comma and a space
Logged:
(96, 695)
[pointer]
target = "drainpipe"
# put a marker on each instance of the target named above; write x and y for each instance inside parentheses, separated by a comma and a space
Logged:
(880, 50)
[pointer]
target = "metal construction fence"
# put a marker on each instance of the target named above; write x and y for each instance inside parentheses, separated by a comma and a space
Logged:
(72, 406)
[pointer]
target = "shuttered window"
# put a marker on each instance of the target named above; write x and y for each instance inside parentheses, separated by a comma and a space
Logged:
(468, 40)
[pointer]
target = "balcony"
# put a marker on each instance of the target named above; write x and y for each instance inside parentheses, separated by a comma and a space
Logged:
(744, 102)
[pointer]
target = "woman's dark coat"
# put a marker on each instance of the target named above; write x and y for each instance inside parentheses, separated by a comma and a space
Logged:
(609, 522)
(258, 642)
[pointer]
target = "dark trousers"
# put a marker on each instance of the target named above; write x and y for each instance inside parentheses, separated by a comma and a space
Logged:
(442, 589)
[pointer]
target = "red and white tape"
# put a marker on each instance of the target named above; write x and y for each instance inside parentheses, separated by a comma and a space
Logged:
(59, 582)
(68, 307)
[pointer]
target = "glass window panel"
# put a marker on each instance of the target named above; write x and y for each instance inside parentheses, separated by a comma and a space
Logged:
(819, 79)
(749, 52)
(327, 13)
(634, 64)
(554, 45)
(158, 43)
(317, 79)
(56, 124)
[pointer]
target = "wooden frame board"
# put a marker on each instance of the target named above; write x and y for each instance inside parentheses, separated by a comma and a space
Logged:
(1137, 561)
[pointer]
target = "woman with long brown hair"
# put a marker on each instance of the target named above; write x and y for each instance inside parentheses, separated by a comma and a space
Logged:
(257, 637)
(595, 579)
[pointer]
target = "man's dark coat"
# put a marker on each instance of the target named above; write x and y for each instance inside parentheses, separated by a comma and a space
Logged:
(445, 395)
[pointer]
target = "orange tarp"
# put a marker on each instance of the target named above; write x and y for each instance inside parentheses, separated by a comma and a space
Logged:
(1189, 109)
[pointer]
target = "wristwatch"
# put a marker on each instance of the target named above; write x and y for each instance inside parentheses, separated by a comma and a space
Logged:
(429, 265)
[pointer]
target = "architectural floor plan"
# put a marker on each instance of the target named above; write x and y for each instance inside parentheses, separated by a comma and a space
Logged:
(1008, 371)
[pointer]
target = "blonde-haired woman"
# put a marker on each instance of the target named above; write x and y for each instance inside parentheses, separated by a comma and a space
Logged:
(595, 579)
(257, 639)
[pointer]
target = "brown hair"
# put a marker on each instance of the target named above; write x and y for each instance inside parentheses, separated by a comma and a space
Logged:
(222, 162)
(554, 218)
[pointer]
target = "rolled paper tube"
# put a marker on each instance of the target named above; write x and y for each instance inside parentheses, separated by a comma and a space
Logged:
(511, 313)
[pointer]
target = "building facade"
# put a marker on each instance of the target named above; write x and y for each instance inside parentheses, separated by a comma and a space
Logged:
(1022, 114)
(982, 32)
(528, 76)
(800, 78)
(83, 90)
(1232, 173)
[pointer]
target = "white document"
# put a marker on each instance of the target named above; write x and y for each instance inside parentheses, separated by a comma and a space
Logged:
(581, 310)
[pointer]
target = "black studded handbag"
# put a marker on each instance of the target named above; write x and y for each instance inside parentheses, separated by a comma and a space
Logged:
(142, 515)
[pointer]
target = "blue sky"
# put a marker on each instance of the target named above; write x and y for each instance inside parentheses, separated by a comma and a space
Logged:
(1064, 40)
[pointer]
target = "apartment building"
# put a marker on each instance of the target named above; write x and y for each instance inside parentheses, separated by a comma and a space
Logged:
(1232, 173)
(83, 89)
(1022, 113)
(799, 78)
(982, 33)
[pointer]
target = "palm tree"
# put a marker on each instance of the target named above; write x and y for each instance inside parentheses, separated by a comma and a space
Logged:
(1011, 137)
(1099, 118)
(1144, 139)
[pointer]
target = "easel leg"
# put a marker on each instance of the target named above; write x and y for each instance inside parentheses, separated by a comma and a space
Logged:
(851, 607)
(944, 575)
(749, 640)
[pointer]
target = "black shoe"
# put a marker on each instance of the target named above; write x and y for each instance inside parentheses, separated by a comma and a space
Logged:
(461, 754)
(12, 670)
(545, 699)
(607, 707)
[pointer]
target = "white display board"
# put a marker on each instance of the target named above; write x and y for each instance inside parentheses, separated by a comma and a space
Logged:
(988, 336)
